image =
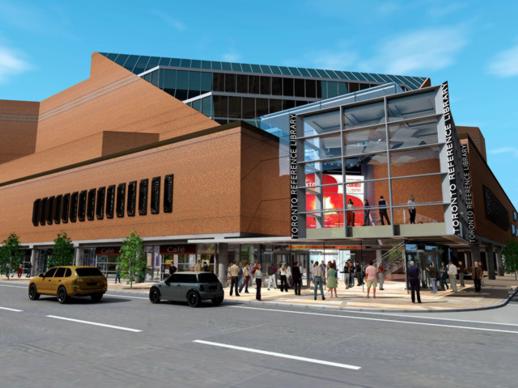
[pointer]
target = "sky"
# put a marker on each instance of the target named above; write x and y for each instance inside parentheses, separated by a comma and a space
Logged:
(45, 47)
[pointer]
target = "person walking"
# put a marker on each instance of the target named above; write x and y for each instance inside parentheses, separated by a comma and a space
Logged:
(316, 271)
(371, 274)
(462, 271)
(332, 279)
(234, 278)
(477, 273)
(411, 209)
(382, 204)
(117, 274)
(381, 276)
(272, 280)
(359, 274)
(452, 274)
(444, 278)
(297, 278)
(246, 277)
(258, 274)
(432, 274)
(366, 213)
(28, 269)
(350, 269)
(20, 271)
(284, 277)
(413, 275)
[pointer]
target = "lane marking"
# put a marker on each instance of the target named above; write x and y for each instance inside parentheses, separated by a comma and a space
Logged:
(13, 286)
(379, 320)
(10, 309)
(129, 297)
(279, 355)
(95, 323)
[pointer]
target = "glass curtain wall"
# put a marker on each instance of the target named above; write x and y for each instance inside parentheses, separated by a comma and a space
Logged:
(373, 164)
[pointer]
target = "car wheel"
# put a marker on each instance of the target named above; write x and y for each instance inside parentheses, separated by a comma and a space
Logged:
(217, 301)
(33, 292)
(154, 295)
(62, 295)
(193, 299)
(96, 298)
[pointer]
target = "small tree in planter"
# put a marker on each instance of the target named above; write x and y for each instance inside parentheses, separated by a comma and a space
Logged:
(11, 255)
(62, 252)
(510, 253)
(132, 261)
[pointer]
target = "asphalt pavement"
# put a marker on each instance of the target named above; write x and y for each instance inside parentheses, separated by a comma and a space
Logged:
(127, 341)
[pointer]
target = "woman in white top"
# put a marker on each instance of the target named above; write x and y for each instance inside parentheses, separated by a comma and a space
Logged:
(284, 277)
(258, 274)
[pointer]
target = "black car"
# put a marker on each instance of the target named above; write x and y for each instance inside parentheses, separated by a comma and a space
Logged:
(190, 287)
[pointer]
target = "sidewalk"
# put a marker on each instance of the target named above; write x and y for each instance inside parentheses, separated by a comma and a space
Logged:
(393, 298)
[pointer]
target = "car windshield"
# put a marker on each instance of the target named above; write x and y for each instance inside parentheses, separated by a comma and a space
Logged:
(207, 278)
(89, 271)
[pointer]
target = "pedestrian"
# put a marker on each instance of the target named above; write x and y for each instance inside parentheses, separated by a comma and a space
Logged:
(381, 276)
(350, 213)
(350, 269)
(284, 277)
(444, 278)
(332, 279)
(28, 269)
(411, 209)
(234, 278)
(272, 273)
(117, 274)
(206, 267)
(366, 213)
(452, 274)
(413, 275)
(197, 266)
(432, 274)
(371, 275)
(462, 271)
(19, 272)
(258, 281)
(476, 273)
(297, 278)
(382, 204)
(359, 274)
(246, 277)
(316, 271)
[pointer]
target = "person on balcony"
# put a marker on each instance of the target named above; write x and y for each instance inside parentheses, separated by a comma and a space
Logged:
(383, 211)
(411, 209)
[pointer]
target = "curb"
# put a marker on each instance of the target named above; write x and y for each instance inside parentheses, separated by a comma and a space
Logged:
(513, 291)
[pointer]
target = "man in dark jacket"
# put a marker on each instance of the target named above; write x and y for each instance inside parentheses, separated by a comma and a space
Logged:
(413, 275)
(297, 277)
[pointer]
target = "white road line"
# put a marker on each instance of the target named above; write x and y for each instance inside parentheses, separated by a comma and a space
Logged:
(128, 297)
(379, 320)
(279, 355)
(95, 323)
(10, 309)
(13, 286)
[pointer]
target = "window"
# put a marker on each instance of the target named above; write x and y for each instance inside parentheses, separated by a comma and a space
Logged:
(266, 85)
(50, 273)
(168, 193)
(142, 197)
(101, 198)
(81, 212)
(68, 272)
(121, 196)
(41, 212)
(325, 147)
(36, 212)
(248, 108)
(362, 115)
(322, 123)
(73, 206)
(495, 211)
(242, 83)
(48, 210)
(277, 86)
(411, 106)
(58, 209)
(186, 278)
(88, 271)
(311, 89)
(220, 106)
(110, 201)
(253, 84)
(207, 278)
(275, 105)
(261, 105)
(132, 198)
(219, 82)
(60, 272)
(287, 86)
(90, 209)
(230, 83)
(299, 88)
(365, 141)
(415, 161)
(155, 195)
(66, 208)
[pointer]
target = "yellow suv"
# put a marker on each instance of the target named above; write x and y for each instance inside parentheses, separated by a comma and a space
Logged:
(69, 281)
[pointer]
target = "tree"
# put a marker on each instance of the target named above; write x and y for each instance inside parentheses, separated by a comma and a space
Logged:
(11, 254)
(62, 251)
(510, 253)
(131, 261)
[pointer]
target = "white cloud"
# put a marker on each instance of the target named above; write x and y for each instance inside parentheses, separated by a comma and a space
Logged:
(511, 151)
(505, 63)
(11, 63)
(169, 20)
(418, 51)
(231, 57)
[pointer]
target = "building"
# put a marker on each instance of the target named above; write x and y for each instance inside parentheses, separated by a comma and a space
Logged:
(140, 146)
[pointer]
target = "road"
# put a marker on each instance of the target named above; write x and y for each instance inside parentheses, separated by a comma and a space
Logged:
(127, 341)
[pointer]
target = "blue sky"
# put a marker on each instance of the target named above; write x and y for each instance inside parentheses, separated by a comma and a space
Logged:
(45, 47)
